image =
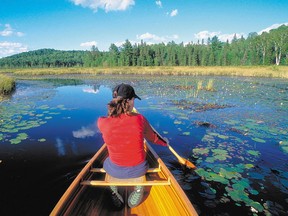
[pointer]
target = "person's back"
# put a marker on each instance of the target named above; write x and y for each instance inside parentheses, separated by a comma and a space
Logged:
(124, 138)
(124, 131)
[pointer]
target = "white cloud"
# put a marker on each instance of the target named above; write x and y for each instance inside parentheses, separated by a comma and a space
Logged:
(155, 39)
(10, 48)
(84, 132)
(20, 34)
(222, 37)
(274, 26)
(174, 13)
(148, 36)
(107, 5)
(9, 31)
(89, 44)
(159, 3)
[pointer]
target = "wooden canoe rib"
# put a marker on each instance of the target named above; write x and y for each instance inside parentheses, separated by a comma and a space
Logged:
(89, 195)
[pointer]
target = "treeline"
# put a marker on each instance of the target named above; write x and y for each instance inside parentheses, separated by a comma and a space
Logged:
(44, 58)
(265, 49)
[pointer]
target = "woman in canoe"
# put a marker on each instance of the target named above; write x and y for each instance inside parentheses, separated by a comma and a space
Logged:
(124, 132)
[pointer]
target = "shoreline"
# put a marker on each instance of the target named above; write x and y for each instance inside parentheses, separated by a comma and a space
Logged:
(248, 71)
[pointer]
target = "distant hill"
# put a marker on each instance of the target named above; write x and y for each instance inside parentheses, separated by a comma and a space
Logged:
(45, 58)
(265, 49)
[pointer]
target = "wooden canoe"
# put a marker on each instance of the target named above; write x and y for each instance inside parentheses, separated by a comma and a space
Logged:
(89, 194)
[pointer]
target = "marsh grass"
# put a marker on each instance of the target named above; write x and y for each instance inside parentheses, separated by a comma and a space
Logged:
(7, 85)
(253, 71)
(210, 85)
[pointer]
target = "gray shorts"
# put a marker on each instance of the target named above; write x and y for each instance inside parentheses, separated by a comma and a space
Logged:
(123, 172)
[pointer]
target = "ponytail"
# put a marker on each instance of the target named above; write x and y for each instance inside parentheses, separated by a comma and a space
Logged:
(118, 106)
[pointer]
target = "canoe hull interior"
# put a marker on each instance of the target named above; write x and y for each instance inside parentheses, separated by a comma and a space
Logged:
(159, 198)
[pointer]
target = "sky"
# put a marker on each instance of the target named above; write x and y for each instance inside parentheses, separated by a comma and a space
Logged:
(27, 25)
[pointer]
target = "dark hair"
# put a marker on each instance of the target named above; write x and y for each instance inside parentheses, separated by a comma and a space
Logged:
(118, 106)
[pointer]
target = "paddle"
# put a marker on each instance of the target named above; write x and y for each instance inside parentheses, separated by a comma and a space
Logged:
(181, 160)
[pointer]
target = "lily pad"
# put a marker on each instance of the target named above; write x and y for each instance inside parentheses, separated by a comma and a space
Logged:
(254, 153)
(259, 140)
(201, 151)
(257, 206)
(42, 140)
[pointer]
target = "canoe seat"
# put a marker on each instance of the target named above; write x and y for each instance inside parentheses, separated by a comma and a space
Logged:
(109, 180)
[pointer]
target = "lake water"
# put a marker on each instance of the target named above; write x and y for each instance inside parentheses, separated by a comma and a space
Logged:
(235, 132)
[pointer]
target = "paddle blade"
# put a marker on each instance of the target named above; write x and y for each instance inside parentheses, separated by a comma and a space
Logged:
(189, 164)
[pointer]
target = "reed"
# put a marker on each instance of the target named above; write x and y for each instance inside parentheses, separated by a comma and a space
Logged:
(249, 71)
(210, 85)
(7, 84)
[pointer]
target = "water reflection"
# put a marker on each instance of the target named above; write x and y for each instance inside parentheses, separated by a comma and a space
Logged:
(88, 131)
(60, 147)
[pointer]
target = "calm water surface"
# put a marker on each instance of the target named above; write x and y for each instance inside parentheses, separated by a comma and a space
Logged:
(236, 133)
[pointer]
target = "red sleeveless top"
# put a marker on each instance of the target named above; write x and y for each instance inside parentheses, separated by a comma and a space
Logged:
(124, 136)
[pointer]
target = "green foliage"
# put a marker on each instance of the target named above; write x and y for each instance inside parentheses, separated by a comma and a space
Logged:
(265, 49)
(7, 85)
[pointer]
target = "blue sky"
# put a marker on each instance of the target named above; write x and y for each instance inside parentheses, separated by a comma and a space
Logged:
(27, 25)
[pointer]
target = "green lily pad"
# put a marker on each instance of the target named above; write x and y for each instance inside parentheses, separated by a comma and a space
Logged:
(201, 151)
(259, 140)
(177, 122)
(42, 140)
(257, 206)
(254, 153)
(249, 166)
(229, 174)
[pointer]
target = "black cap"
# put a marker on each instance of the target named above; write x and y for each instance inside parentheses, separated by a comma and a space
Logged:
(124, 90)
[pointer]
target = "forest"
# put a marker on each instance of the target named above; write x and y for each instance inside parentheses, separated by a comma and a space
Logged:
(265, 49)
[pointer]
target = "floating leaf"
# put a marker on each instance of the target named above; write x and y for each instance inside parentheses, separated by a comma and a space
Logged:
(254, 192)
(177, 122)
(232, 122)
(228, 174)
(254, 153)
(42, 140)
(43, 107)
(202, 151)
(258, 140)
(249, 166)
(257, 206)
(15, 141)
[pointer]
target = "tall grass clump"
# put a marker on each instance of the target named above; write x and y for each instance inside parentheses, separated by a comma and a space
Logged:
(210, 85)
(7, 85)
(199, 87)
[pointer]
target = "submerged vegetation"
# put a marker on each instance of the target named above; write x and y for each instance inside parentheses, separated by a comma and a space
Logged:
(7, 85)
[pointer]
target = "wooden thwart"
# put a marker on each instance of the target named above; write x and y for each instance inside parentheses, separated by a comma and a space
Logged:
(109, 180)
(102, 170)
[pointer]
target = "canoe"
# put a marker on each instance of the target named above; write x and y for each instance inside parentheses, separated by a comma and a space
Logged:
(89, 193)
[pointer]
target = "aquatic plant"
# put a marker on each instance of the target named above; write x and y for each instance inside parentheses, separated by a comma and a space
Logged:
(7, 85)
(210, 85)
